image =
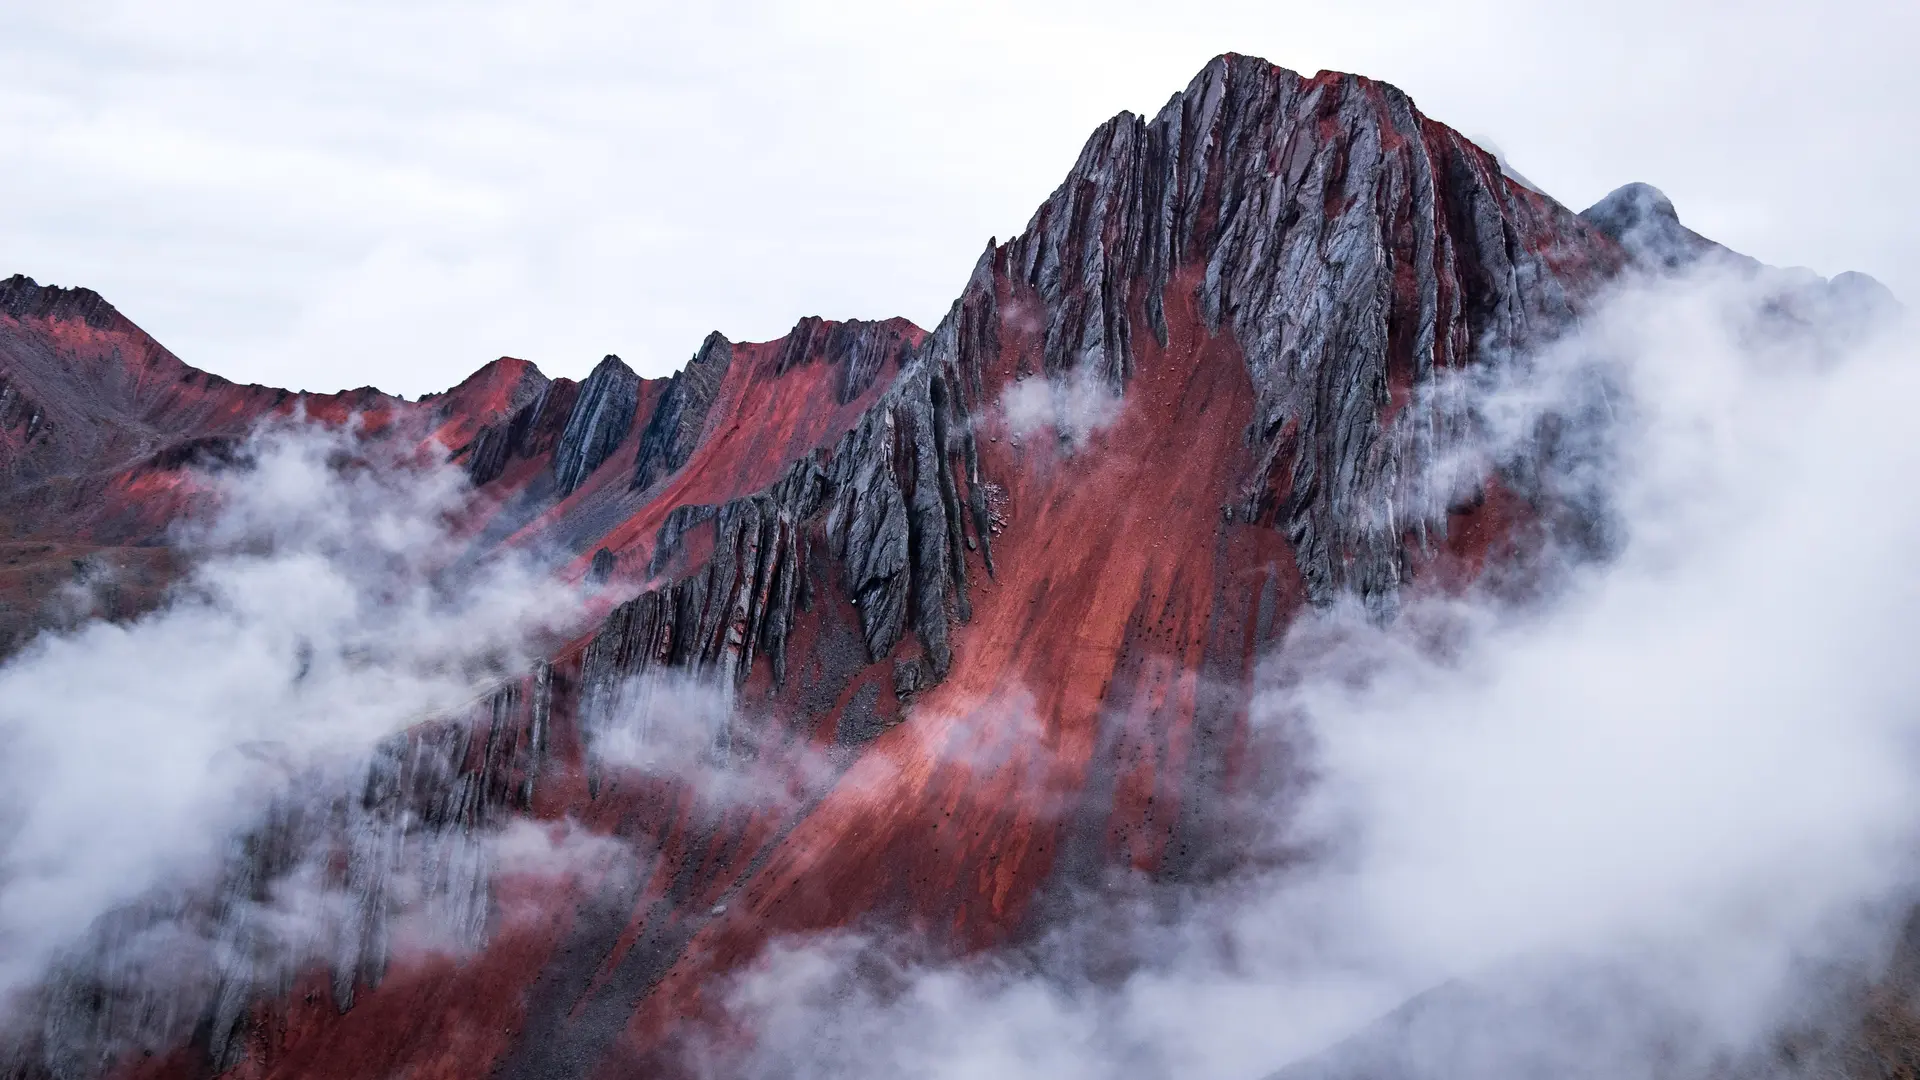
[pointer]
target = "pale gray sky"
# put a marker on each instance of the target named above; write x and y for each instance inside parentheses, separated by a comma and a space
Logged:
(323, 195)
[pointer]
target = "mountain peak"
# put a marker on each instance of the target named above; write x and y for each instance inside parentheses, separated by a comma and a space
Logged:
(1640, 218)
(22, 297)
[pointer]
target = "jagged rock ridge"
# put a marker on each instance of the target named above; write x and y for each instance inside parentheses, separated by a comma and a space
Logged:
(676, 426)
(601, 416)
(1353, 246)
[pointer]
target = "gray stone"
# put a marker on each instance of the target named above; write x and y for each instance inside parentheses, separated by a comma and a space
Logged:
(602, 415)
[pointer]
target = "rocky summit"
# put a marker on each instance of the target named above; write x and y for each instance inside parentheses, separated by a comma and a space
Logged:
(983, 660)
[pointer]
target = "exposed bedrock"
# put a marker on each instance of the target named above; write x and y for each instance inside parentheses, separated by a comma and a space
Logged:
(601, 417)
(857, 351)
(534, 428)
(860, 349)
(680, 419)
(22, 297)
(881, 501)
(1352, 246)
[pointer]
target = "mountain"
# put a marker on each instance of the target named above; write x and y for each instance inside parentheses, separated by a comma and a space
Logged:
(1008, 579)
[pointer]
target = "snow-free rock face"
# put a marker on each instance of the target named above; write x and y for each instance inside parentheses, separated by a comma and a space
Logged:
(979, 654)
(1350, 246)
(602, 414)
(675, 429)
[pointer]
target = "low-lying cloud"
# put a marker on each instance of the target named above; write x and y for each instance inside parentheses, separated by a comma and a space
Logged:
(316, 625)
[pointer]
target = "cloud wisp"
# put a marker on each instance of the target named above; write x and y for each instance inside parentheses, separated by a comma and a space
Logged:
(1073, 405)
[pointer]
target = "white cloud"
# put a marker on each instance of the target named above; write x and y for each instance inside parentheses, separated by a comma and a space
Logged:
(559, 851)
(319, 620)
(1072, 406)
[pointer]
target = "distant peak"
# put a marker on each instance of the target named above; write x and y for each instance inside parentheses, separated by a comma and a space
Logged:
(1629, 205)
(501, 368)
(1640, 218)
(715, 344)
(22, 297)
(1860, 300)
(611, 365)
(503, 384)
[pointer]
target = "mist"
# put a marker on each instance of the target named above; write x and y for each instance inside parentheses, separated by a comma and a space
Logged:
(675, 727)
(1072, 406)
(1651, 812)
(315, 626)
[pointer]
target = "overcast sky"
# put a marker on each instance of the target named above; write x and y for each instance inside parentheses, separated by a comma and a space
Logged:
(322, 195)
